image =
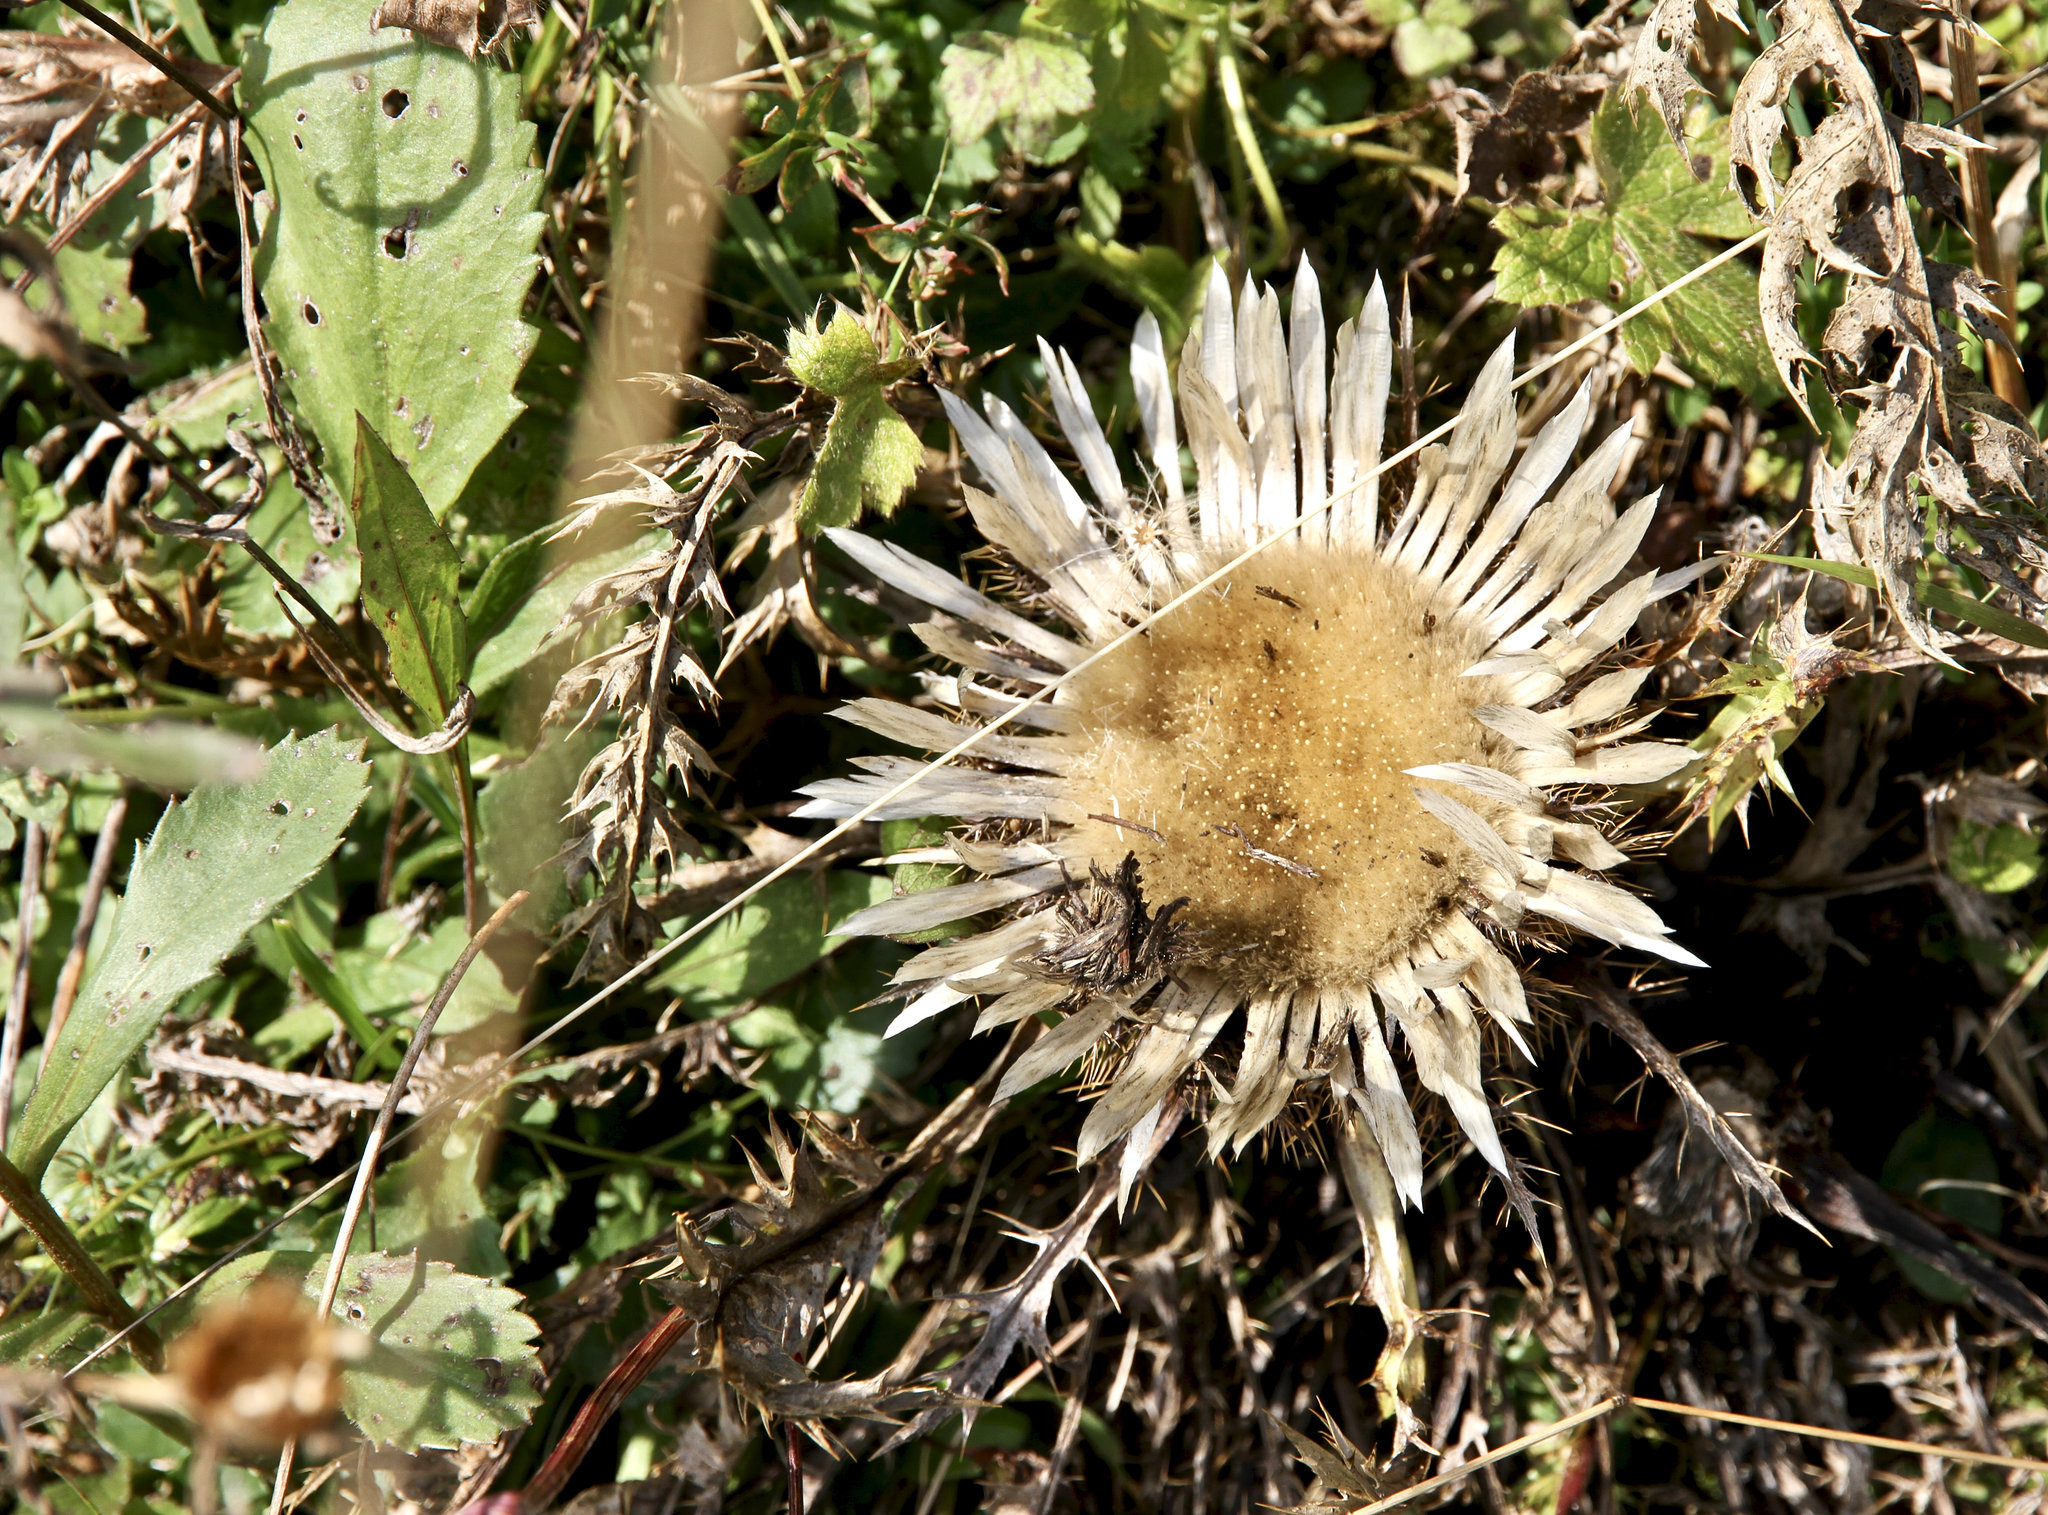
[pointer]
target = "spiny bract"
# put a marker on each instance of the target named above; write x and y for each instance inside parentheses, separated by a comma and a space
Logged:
(1354, 756)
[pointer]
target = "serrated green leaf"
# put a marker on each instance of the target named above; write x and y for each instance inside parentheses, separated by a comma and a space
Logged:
(1645, 235)
(451, 1356)
(220, 861)
(870, 456)
(403, 241)
(840, 359)
(410, 578)
(1024, 84)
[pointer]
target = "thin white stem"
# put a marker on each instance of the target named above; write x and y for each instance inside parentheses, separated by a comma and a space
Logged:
(366, 1166)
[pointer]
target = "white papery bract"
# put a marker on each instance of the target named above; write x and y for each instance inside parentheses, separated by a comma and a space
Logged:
(1361, 758)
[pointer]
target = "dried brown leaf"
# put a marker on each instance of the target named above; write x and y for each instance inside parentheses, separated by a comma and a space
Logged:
(1659, 65)
(475, 28)
(55, 91)
(1505, 154)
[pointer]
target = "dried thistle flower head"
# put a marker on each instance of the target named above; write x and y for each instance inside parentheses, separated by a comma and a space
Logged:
(1343, 773)
(261, 1368)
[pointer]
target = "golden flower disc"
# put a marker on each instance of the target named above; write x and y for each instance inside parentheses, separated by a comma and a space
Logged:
(1263, 733)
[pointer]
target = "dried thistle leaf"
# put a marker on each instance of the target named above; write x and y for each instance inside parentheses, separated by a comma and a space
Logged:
(475, 28)
(55, 91)
(1504, 154)
(1847, 200)
(1772, 699)
(1658, 67)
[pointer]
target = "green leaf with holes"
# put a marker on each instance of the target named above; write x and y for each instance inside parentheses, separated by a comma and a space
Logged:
(451, 1358)
(221, 860)
(402, 243)
(1650, 228)
(410, 569)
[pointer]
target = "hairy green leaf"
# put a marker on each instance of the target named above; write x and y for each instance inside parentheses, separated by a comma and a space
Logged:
(219, 862)
(870, 455)
(1647, 233)
(410, 574)
(403, 240)
(451, 1357)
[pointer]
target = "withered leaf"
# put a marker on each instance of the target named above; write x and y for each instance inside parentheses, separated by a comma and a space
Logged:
(55, 91)
(458, 23)
(1504, 154)
(1658, 68)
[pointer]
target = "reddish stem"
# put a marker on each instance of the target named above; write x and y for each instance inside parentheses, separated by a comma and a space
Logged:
(568, 1454)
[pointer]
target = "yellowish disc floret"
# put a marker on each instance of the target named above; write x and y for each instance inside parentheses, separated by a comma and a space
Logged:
(1261, 736)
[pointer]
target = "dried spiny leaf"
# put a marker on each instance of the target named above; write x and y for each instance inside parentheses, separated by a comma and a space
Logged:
(1926, 427)
(1659, 65)
(1017, 1311)
(623, 816)
(818, 1221)
(458, 23)
(1505, 154)
(55, 91)
(1345, 1477)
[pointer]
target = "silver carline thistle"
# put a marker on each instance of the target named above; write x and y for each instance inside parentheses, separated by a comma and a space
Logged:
(1347, 770)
